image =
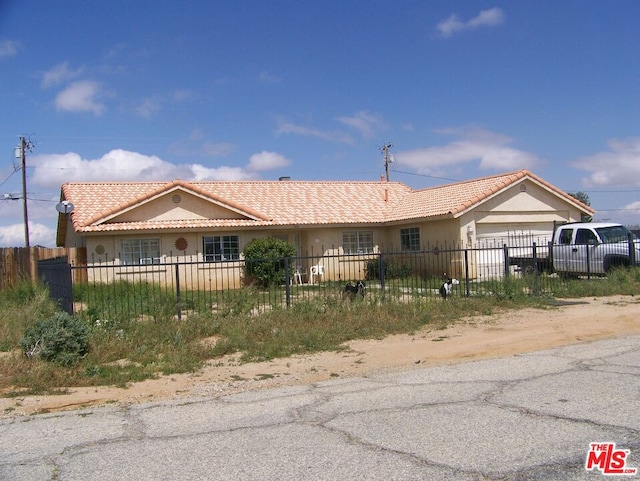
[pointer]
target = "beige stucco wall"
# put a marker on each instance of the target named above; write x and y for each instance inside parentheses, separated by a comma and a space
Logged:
(104, 251)
(188, 207)
(72, 239)
(523, 204)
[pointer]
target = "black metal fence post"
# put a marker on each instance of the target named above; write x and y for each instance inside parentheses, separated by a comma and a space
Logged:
(466, 272)
(632, 250)
(178, 299)
(506, 260)
(381, 270)
(536, 279)
(287, 282)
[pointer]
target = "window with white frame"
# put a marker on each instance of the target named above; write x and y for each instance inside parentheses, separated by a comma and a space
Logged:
(221, 248)
(410, 239)
(357, 242)
(140, 251)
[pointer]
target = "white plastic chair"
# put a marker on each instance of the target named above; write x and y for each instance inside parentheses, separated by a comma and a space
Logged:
(299, 273)
(315, 271)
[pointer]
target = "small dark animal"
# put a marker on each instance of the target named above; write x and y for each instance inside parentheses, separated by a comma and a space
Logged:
(445, 289)
(352, 291)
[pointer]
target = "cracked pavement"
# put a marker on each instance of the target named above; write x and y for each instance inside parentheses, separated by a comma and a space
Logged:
(525, 417)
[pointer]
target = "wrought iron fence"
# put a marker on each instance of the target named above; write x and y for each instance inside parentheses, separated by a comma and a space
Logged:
(183, 285)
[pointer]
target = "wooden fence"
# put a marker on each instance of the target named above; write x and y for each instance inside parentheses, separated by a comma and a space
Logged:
(18, 263)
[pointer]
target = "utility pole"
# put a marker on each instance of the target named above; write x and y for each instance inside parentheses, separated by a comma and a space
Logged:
(388, 159)
(24, 146)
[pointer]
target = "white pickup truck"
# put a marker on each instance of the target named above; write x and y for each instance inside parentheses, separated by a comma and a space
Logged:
(593, 248)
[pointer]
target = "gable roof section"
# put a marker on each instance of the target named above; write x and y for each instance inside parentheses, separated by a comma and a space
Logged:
(455, 199)
(166, 189)
(289, 203)
(261, 203)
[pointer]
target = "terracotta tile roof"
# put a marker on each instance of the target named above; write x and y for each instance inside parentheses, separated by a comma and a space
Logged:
(285, 203)
(258, 203)
(457, 198)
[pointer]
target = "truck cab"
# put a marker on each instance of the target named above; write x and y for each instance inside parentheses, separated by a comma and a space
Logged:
(593, 248)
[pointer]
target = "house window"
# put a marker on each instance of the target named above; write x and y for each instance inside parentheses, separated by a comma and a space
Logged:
(410, 239)
(220, 248)
(140, 251)
(357, 242)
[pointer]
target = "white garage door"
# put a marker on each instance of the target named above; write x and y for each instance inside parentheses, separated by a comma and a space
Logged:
(512, 235)
(491, 237)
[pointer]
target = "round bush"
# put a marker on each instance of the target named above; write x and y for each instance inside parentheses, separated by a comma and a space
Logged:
(62, 339)
(265, 259)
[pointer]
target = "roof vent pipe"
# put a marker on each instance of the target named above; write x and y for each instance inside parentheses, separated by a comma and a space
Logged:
(284, 178)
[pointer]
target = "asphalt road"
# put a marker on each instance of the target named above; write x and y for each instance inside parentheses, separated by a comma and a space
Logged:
(527, 417)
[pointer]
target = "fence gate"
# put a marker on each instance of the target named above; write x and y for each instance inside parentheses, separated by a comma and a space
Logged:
(56, 274)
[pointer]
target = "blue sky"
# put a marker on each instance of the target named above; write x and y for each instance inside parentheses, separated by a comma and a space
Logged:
(224, 90)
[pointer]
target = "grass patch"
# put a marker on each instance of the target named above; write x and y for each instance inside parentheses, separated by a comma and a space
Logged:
(125, 349)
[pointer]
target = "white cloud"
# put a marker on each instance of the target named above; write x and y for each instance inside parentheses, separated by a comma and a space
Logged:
(117, 165)
(39, 234)
(634, 207)
(267, 161)
(267, 77)
(183, 95)
(364, 122)
(618, 166)
(81, 97)
(486, 18)
(217, 149)
(200, 173)
(59, 74)
(490, 149)
(148, 107)
(52, 170)
(367, 124)
(115, 51)
(290, 128)
(9, 48)
(197, 146)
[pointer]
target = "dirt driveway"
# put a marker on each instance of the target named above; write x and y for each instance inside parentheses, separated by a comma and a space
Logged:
(503, 334)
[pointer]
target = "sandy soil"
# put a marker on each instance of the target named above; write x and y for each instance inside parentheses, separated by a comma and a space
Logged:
(503, 334)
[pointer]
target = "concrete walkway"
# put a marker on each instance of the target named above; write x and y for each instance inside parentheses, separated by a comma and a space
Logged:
(528, 417)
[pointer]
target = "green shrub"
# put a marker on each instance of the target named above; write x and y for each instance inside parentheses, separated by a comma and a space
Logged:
(265, 260)
(395, 268)
(62, 339)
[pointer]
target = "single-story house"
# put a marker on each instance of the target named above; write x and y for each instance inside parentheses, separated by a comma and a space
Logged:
(134, 224)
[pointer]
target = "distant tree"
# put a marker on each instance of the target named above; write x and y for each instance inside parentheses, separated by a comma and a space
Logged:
(584, 198)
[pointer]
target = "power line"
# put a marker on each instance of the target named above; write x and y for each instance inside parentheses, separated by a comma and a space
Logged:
(619, 210)
(7, 179)
(428, 176)
(610, 191)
